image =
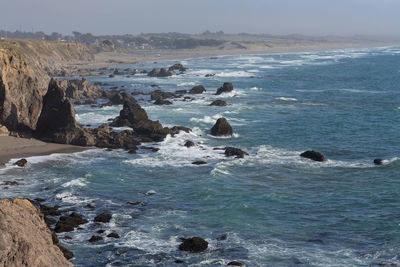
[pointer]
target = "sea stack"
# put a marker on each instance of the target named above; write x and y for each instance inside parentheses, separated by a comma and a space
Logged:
(222, 128)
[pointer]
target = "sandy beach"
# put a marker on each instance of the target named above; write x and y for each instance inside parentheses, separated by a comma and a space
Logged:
(13, 147)
(107, 59)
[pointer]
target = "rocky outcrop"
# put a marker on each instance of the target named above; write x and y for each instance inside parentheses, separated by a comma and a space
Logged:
(25, 239)
(194, 244)
(118, 98)
(199, 89)
(161, 101)
(57, 120)
(130, 115)
(378, 161)
(226, 88)
(222, 128)
(21, 90)
(313, 155)
(81, 89)
(219, 103)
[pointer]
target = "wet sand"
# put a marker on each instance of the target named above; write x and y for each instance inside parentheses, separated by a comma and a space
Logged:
(13, 147)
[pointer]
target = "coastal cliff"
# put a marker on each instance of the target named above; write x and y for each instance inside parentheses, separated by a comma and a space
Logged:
(25, 239)
(25, 66)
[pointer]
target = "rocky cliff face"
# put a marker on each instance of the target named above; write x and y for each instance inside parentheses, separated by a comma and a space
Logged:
(25, 239)
(21, 90)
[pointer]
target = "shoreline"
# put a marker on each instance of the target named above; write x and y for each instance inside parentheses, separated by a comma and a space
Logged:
(17, 147)
(116, 59)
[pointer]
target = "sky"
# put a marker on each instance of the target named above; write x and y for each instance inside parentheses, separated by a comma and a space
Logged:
(309, 17)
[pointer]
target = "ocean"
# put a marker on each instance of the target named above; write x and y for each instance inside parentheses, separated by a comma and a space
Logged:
(271, 208)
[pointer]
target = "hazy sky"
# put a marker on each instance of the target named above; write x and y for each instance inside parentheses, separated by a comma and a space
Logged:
(312, 17)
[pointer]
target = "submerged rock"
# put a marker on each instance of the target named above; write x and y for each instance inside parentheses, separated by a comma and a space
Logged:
(222, 128)
(313, 155)
(199, 162)
(378, 161)
(233, 151)
(158, 94)
(113, 235)
(199, 89)
(188, 144)
(95, 239)
(194, 244)
(103, 218)
(219, 103)
(226, 88)
(161, 101)
(235, 263)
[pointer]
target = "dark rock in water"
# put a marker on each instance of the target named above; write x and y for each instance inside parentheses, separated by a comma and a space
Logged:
(155, 86)
(313, 155)
(111, 76)
(159, 73)
(130, 114)
(199, 162)
(49, 211)
(161, 101)
(135, 203)
(104, 218)
(226, 88)
(119, 99)
(69, 223)
(181, 92)
(209, 75)
(235, 263)
(21, 163)
(100, 231)
(158, 94)
(378, 161)
(177, 129)
(233, 151)
(194, 244)
(49, 221)
(113, 235)
(125, 139)
(177, 66)
(178, 261)
(57, 121)
(81, 89)
(67, 253)
(219, 103)
(199, 89)
(222, 128)
(188, 144)
(222, 237)
(95, 238)
(10, 183)
(144, 72)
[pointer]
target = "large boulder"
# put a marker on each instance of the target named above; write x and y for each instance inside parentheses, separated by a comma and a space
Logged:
(152, 129)
(226, 88)
(313, 155)
(199, 89)
(69, 223)
(25, 239)
(57, 121)
(222, 128)
(194, 244)
(4, 131)
(130, 114)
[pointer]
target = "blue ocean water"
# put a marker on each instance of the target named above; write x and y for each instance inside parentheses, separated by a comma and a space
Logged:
(275, 208)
